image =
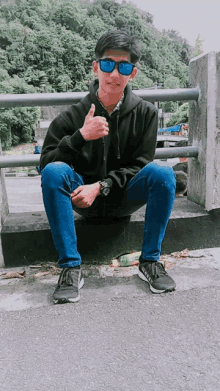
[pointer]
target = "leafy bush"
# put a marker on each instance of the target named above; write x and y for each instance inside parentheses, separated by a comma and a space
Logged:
(172, 82)
(141, 81)
(17, 125)
(180, 116)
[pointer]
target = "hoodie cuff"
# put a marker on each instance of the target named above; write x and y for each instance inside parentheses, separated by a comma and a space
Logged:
(77, 141)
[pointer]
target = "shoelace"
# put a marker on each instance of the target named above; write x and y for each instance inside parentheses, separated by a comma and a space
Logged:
(157, 269)
(68, 278)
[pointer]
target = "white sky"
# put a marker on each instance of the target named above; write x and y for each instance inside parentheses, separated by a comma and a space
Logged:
(189, 17)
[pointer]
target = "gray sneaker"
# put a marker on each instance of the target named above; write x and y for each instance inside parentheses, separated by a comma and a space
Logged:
(156, 276)
(68, 286)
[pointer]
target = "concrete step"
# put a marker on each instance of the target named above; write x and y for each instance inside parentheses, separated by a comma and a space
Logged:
(27, 239)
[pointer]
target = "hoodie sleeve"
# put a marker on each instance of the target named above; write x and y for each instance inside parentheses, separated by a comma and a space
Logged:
(61, 143)
(143, 154)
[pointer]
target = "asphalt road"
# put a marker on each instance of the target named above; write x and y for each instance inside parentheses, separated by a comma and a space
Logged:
(119, 336)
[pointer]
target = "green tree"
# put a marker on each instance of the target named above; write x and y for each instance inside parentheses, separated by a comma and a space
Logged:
(170, 106)
(180, 116)
(18, 124)
(198, 48)
(181, 46)
(141, 81)
(58, 38)
(68, 14)
(172, 82)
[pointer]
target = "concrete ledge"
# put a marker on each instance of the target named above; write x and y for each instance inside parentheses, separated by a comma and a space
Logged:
(26, 237)
(20, 175)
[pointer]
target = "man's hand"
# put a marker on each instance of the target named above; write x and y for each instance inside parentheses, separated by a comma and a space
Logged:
(94, 127)
(85, 195)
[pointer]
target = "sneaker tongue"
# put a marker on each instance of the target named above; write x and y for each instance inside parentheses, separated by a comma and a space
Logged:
(155, 270)
(69, 278)
(159, 269)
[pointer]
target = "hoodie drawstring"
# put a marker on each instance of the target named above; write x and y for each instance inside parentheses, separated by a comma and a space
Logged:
(115, 120)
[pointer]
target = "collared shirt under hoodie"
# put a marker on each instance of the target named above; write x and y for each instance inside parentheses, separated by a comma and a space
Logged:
(116, 108)
(130, 145)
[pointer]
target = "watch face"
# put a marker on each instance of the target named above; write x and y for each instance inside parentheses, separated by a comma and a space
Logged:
(105, 191)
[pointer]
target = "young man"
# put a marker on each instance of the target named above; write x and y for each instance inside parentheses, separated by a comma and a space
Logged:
(97, 158)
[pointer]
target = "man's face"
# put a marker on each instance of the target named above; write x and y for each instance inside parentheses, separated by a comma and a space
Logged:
(113, 83)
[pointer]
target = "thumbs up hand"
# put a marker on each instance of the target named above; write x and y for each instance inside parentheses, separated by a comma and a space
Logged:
(94, 127)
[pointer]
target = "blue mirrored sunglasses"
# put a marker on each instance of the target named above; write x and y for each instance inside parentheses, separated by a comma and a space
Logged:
(108, 65)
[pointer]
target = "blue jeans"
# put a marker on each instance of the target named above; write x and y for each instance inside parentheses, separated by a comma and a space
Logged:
(153, 185)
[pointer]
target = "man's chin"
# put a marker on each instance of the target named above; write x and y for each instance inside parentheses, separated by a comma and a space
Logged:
(114, 88)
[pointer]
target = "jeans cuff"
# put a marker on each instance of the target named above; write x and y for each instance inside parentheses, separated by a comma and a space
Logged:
(69, 263)
(146, 259)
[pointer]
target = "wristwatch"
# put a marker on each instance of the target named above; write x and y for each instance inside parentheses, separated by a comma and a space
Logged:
(105, 188)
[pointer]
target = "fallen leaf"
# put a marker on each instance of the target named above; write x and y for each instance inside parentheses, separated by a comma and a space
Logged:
(20, 274)
(181, 254)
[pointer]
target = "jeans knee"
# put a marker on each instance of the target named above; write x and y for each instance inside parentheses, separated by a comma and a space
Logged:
(163, 176)
(54, 174)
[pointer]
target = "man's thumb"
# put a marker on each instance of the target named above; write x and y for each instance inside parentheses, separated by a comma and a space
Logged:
(91, 111)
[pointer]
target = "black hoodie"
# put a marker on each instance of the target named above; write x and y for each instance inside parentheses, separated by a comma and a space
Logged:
(129, 146)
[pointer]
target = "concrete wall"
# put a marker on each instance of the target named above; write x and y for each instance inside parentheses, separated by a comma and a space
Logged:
(204, 132)
(4, 207)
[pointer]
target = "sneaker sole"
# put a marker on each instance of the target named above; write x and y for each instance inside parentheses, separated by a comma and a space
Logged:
(74, 300)
(142, 276)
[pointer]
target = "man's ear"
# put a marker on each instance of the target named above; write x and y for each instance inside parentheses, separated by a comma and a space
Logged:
(133, 74)
(95, 67)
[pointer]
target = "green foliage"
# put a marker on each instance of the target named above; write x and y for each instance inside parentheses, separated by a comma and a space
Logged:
(54, 38)
(170, 106)
(198, 49)
(172, 82)
(180, 116)
(18, 124)
(141, 81)
(180, 44)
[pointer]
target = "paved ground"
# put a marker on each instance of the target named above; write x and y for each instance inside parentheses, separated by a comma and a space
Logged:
(119, 336)
(24, 194)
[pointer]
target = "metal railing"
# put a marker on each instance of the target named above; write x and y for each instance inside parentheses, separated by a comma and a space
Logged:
(51, 99)
(65, 98)
(33, 160)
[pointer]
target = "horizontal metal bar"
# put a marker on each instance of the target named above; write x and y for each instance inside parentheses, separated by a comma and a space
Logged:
(68, 98)
(19, 160)
(163, 153)
(33, 160)
(45, 99)
(176, 94)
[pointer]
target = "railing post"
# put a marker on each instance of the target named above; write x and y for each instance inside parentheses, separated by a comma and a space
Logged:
(4, 208)
(204, 132)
